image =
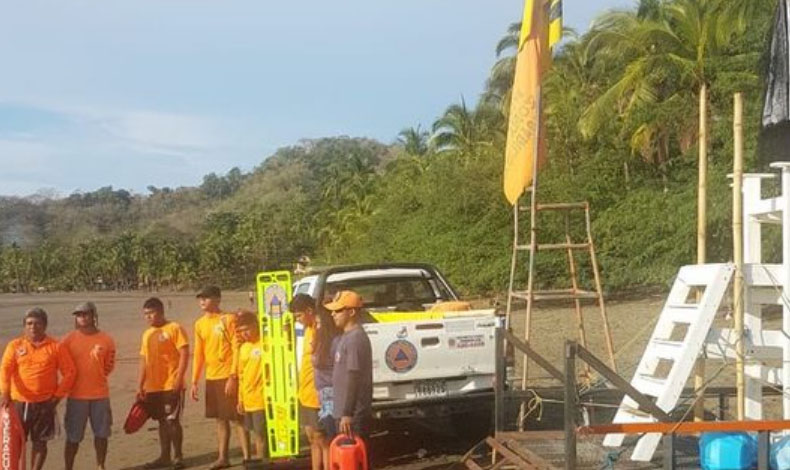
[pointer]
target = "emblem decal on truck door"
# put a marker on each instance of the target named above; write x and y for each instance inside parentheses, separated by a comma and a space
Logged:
(401, 356)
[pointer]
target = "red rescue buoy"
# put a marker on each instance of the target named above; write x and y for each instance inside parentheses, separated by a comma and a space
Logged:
(137, 416)
(12, 440)
(347, 453)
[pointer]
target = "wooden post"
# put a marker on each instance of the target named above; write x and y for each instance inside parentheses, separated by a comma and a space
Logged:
(570, 405)
(763, 450)
(598, 288)
(499, 382)
(509, 307)
(669, 451)
(737, 239)
(702, 184)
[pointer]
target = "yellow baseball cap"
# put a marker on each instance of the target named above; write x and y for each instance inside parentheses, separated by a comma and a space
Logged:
(344, 299)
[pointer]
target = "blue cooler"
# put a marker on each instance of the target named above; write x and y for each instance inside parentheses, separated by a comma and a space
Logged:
(727, 451)
(780, 454)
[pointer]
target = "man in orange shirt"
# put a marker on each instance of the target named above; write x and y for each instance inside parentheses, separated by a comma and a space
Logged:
(216, 349)
(164, 354)
(29, 379)
(93, 352)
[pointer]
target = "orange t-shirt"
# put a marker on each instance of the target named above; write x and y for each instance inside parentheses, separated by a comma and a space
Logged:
(216, 346)
(160, 351)
(308, 395)
(31, 370)
(94, 357)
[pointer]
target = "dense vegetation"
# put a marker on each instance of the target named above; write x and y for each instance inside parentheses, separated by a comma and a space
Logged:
(621, 107)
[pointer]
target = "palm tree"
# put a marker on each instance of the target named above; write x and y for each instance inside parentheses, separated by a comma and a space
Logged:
(463, 130)
(669, 54)
(500, 81)
(414, 141)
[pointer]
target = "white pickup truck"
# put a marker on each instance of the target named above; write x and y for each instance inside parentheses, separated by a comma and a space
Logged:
(426, 362)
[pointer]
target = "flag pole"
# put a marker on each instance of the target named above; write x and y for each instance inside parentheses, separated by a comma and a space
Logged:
(533, 239)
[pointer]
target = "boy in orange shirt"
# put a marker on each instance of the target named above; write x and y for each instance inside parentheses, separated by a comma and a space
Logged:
(29, 379)
(93, 352)
(250, 371)
(164, 354)
(216, 349)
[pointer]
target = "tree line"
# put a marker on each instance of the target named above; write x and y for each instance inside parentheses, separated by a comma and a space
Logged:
(622, 102)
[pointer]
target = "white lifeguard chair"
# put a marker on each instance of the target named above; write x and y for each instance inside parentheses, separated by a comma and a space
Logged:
(668, 360)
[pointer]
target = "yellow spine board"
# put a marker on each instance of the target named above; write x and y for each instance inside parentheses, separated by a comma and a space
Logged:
(279, 363)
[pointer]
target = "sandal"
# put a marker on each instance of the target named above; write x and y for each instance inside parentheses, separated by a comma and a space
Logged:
(178, 465)
(219, 466)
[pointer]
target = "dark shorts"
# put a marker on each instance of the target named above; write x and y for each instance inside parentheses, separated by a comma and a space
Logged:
(38, 420)
(166, 405)
(255, 422)
(78, 412)
(219, 405)
(308, 416)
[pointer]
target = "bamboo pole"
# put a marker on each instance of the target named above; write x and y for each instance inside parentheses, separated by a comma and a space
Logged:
(737, 239)
(577, 304)
(699, 374)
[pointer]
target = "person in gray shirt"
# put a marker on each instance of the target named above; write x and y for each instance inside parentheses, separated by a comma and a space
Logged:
(352, 375)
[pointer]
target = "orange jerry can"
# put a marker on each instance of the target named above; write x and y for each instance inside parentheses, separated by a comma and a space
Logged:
(348, 453)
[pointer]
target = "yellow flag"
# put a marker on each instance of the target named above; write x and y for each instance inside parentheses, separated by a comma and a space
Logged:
(534, 56)
(555, 22)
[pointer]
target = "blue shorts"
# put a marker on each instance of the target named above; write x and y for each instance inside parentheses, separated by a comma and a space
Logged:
(78, 412)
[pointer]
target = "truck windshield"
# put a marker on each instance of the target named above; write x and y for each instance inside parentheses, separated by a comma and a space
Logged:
(401, 294)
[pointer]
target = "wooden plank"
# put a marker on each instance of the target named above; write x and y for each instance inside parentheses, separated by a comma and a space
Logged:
(686, 427)
(563, 246)
(540, 462)
(472, 465)
(562, 206)
(530, 461)
(500, 369)
(645, 403)
(535, 356)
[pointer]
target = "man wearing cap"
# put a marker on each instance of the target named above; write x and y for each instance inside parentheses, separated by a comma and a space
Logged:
(93, 352)
(29, 379)
(352, 375)
(216, 349)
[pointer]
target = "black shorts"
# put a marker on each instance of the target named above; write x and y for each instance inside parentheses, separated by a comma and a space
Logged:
(38, 420)
(166, 405)
(219, 405)
(308, 416)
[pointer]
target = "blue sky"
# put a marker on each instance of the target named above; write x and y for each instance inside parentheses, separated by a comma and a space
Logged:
(132, 93)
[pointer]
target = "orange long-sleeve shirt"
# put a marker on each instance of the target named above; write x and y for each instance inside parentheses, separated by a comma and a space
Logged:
(216, 346)
(31, 370)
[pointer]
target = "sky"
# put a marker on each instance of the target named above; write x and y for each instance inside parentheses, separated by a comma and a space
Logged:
(132, 93)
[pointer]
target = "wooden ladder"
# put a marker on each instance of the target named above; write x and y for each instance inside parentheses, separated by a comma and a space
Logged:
(574, 293)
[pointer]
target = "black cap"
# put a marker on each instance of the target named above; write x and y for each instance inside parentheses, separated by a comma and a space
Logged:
(85, 307)
(210, 292)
